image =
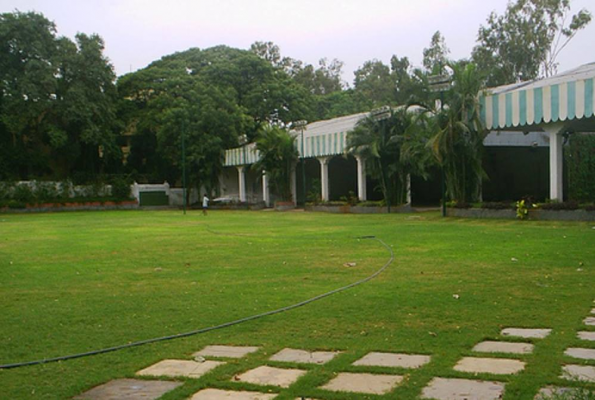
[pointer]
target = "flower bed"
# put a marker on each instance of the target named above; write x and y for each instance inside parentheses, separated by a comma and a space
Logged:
(72, 206)
(357, 209)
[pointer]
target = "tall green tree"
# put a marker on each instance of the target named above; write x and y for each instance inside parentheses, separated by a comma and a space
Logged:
(278, 153)
(458, 134)
(435, 56)
(526, 39)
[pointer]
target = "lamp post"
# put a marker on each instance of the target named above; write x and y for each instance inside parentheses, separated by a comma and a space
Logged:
(184, 166)
(441, 83)
(381, 114)
(301, 125)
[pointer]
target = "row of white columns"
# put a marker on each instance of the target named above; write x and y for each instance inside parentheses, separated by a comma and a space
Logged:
(324, 181)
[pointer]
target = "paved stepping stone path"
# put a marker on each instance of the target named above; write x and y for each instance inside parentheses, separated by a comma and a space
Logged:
(393, 360)
(551, 391)
(174, 368)
(489, 365)
(216, 394)
(578, 373)
(576, 352)
(589, 321)
(584, 335)
(503, 347)
(226, 351)
(271, 376)
(526, 333)
(363, 383)
(303, 356)
(462, 389)
(129, 389)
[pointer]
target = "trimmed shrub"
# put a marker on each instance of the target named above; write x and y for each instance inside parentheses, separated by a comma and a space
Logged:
(566, 205)
(498, 205)
(23, 194)
(120, 189)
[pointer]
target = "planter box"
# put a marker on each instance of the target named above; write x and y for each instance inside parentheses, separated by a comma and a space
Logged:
(536, 215)
(284, 206)
(346, 209)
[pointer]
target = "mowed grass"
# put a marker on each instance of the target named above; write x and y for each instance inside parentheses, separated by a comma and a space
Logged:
(74, 282)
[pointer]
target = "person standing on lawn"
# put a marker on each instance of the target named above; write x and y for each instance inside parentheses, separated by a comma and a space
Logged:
(205, 204)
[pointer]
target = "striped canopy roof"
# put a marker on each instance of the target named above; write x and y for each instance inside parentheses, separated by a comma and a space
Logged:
(321, 138)
(567, 96)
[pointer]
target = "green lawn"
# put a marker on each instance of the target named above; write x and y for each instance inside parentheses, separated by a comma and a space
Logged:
(73, 282)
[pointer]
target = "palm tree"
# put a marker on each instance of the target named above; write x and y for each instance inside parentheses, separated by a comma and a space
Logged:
(392, 149)
(458, 134)
(277, 156)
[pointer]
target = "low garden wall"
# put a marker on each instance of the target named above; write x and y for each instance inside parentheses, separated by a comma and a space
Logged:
(82, 206)
(538, 215)
(348, 209)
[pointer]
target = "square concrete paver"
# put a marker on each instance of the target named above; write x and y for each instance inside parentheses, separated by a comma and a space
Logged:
(363, 383)
(503, 347)
(578, 373)
(577, 352)
(584, 335)
(489, 365)
(216, 394)
(589, 321)
(173, 368)
(462, 389)
(226, 351)
(129, 389)
(527, 333)
(550, 391)
(303, 356)
(271, 376)
(393, 360)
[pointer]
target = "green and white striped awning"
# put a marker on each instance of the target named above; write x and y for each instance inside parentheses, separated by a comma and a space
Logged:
(321, 139)
(563, 97)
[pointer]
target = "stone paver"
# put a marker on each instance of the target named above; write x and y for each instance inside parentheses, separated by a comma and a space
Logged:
(549, 391)
(462, 389)
(577, 352)
(584, 335)
(393, 360)
(226, 351)
(489, 365)
(216, 394)
(363, 383)
(526, 333)
(589, 321)
(503, 347)
(303, 356)
(593, 311)
(578, 372)
(173, 368)
(271, 376)
(129, 389)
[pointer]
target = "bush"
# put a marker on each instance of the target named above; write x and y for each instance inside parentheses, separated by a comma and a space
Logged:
(65, 190)
(23, 194)
(498, 206)
(45, 192)
(380, 203)
(566, 205)
(6, 189)
(120, 189)
(16, 204)
(580, 164)
(590, 207)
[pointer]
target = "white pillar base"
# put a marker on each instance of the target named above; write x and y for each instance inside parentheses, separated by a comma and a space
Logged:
(242, 183)
(556, 160)
(293, 184)
(266, 193)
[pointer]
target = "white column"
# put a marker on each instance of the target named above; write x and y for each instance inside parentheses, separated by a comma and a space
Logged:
(266, 194)
(408, 189)
(293, 184)
(324, 177)
(242, 182)
(556, 161)
(361, 179)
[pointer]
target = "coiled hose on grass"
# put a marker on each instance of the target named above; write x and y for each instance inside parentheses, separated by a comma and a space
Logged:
(212, 328)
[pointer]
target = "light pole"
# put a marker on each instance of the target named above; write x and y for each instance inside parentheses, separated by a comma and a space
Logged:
(301, 125)
(441, 83)
(184, 166)
(381, 114)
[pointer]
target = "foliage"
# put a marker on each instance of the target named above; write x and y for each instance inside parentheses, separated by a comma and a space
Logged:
(23, 193)
(121, 189)
(277, 157)
(522, 209)
(571, 394)
(315, 194)
(57, 110)
(392, 149)
(528, 37)
(560, 205)
(350, 199)
(497, 206)
(458, 134)
(436, 55)
(580, 164)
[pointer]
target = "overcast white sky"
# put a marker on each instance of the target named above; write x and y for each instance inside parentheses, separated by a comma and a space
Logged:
(137, 32)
